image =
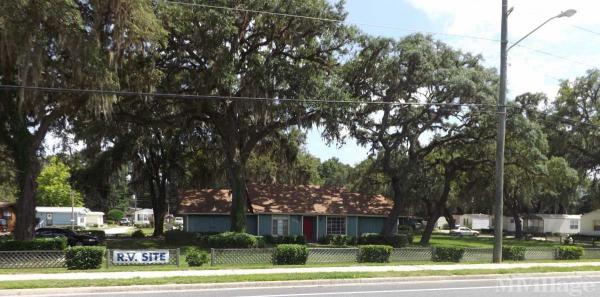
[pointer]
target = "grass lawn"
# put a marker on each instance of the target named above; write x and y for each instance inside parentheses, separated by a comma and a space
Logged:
(482, 242)
(271, 277)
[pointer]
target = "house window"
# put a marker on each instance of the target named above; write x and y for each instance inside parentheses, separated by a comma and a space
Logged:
(81, 220)
(574, 224)
(596, 225)
(336, 225)
(280, 225)
(6, 214)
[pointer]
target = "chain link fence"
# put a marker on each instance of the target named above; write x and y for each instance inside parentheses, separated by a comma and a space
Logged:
(540, 253)
(411, 254)
(478, 255)
(591, 253)
(241, 256)
(32, 259)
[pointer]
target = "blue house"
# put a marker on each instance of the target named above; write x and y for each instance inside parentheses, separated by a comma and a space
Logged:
(60, 216)
(281, 210)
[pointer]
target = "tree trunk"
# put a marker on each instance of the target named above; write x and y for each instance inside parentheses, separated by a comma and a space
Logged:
(27, 166)
(433, 217)
(237, 183)
(449, 218)
(518, 225)
(159, 206)
(390, 226)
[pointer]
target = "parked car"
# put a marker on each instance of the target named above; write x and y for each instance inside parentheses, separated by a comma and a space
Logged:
(73, 238)
(178, 221)
(464, 231)
(125, 222)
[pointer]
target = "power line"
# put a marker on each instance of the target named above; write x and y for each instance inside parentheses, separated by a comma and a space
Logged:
(586, 30)
(221, 97)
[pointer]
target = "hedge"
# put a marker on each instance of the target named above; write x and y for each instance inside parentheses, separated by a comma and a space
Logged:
(513, 253)
(84, 257)
(289, 239)
(447, 254)
(395, 240)
(569, 253)
(290, 254)
(374, 253)
(196, 257)
(38, 244)
(338, 240)
(138, 234)
(233, 240)
(179, 237)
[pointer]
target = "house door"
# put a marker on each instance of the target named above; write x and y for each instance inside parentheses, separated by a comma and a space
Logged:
(48, 219)
(308, 228)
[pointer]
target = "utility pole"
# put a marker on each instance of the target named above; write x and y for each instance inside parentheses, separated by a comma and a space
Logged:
(499, 195)
(72, 210)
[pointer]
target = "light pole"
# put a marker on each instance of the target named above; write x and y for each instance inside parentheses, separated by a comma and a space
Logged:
(499, 195)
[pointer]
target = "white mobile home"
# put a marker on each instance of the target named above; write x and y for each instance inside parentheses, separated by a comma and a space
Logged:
(143, 216)
(60, 216)
(95, 218)
(475, 221)
(590, 223)
(546, 223)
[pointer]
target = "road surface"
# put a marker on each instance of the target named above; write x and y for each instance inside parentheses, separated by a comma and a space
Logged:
(118, 230)
(513, 287)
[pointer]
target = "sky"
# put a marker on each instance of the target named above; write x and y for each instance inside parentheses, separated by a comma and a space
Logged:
(563, 49)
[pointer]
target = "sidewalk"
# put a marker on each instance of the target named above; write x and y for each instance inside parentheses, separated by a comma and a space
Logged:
(228, 272)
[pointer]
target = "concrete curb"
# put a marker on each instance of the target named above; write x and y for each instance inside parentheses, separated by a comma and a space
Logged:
(271, 284)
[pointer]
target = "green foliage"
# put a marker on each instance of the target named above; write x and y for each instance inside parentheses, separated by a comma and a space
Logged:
(337, 240)
(374, 253)
(138, 233)
(179, 237)
(115, 215)
(447, 254)
(569, 253)
(289, 239)
(290, 254)
(513, 253)
(395, 240)
(196, 257)
(232, 240)
(37, 244)
(334, 173)
(53, 185)
(84, 257)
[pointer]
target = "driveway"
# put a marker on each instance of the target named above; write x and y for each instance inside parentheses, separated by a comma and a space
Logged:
(118, 230)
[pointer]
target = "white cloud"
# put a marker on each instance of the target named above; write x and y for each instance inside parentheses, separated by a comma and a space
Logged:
(528, 70)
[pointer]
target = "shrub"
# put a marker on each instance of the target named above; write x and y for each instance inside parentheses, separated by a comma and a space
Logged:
(290, 254)
(374, 253)
(396, 240)
(447, 254)
(232, 240)
(260, 241)
(289, 239)
(514, 253)
(115, 215)
(179, 237)
(84, 257)
(38, 244)
(100, 234)
(569, 253)
(138, 233)
(196, 257)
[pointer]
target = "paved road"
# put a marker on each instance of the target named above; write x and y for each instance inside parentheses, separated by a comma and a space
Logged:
(118, 230)
(514, 287)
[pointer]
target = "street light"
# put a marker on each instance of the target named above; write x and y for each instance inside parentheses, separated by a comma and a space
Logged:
(499, 195)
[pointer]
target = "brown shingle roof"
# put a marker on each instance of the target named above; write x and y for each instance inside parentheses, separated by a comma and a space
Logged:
(288, 200)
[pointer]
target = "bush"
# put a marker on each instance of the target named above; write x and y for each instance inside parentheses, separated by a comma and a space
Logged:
(374, 253)
(37, 244)
(179, 237)
(196, 257)
(569, 253)
(100, 234)
(115, 215)
(396, 240)
(138, 233)
(84, 257)
(513, 253)
(447, 254)
(290, 239)
(290, 254)
(232, 240)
